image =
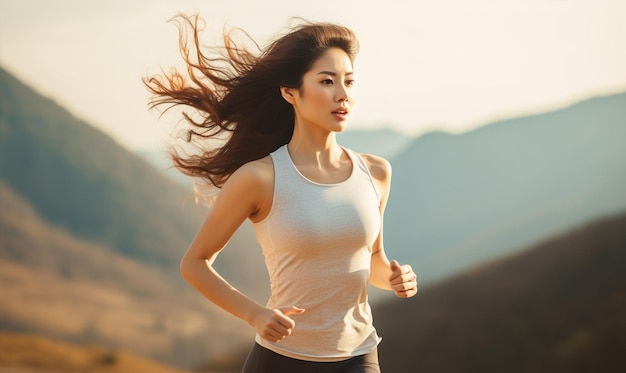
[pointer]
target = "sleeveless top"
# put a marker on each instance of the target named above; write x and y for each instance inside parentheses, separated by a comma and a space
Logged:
(317, 243)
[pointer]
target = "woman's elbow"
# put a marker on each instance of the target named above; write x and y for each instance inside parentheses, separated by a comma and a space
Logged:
(185, 268)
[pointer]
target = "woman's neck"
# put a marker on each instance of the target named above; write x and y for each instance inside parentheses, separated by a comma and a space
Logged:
(315, 149)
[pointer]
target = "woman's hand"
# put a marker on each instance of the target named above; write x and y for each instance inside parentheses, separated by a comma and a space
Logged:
(275, 324)
(403, 280)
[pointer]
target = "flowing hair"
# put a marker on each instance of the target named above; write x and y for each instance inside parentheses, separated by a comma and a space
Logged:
(235, 94)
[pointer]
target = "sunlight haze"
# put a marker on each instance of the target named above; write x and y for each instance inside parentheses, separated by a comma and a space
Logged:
(424, 65)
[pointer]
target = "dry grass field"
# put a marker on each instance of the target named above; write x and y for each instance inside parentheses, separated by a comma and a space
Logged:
(56, 285)
(31, 354)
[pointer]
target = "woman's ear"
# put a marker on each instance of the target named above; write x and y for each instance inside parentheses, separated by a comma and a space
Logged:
(287, 94)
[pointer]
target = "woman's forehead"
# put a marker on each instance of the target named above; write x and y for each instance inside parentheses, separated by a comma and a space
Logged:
(333, 60)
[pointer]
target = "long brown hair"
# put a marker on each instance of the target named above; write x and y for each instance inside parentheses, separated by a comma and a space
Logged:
(236, 93)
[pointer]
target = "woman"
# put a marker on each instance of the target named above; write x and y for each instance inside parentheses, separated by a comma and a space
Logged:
(317, 208)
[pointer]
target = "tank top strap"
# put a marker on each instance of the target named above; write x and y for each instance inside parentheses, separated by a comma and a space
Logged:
(281, 161)
(359, 162)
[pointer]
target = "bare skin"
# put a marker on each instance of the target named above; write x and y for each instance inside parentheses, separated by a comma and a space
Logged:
(321, 108)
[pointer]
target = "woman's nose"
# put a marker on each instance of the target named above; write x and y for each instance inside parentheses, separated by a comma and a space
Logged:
(342, 94)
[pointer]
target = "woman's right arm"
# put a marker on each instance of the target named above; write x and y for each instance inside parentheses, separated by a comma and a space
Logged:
(243, 196)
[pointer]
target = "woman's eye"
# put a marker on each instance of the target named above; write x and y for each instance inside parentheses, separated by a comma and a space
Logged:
(327, 81)
(350, 83)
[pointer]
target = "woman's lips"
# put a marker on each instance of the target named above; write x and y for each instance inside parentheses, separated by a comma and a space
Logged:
(341, 114)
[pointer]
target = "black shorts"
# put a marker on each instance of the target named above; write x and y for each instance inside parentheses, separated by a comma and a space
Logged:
(262, 360)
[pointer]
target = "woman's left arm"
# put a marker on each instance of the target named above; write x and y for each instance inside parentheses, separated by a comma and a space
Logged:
(385, 274)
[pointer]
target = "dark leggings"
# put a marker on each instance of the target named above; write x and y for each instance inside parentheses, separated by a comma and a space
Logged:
(262, 360)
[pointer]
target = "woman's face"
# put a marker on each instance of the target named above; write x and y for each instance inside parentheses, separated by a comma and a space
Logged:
(325, 98)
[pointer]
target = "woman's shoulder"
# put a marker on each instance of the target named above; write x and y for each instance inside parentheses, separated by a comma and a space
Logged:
(256, 172)
(251, 185)
(379, 167)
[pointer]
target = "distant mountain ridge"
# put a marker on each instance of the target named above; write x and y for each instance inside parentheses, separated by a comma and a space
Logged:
(457, 200)
(80, 179)
(385, 142)
(556, 307)
(91, 237)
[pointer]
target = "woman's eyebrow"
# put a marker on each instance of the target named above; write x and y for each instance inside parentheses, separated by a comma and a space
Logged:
(331, 73)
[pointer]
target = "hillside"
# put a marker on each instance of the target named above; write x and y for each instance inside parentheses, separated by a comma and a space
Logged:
(91, 231)
(56, 285)
(558, 307)
(460, 199)
(30, 354)
(80, 179)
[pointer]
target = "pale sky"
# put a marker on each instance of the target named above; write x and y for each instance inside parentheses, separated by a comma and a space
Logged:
(448, 65)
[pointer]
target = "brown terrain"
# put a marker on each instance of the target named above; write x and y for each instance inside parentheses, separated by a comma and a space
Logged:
(32, 354)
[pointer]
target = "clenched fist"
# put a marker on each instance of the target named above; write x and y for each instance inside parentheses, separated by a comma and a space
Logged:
(403, 280)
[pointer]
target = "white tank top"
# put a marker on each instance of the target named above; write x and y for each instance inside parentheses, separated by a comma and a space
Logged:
(317, 243)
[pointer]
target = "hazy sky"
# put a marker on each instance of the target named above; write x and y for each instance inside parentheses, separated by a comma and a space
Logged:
(424, 65)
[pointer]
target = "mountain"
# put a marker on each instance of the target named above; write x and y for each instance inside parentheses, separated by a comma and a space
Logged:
(161, 161)
(459, 199)
(386, 143)
(91, 237)
(557, 307)
(84, 182)
(65, 288)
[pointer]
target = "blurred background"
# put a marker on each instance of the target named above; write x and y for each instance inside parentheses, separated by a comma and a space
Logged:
(505, 125)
